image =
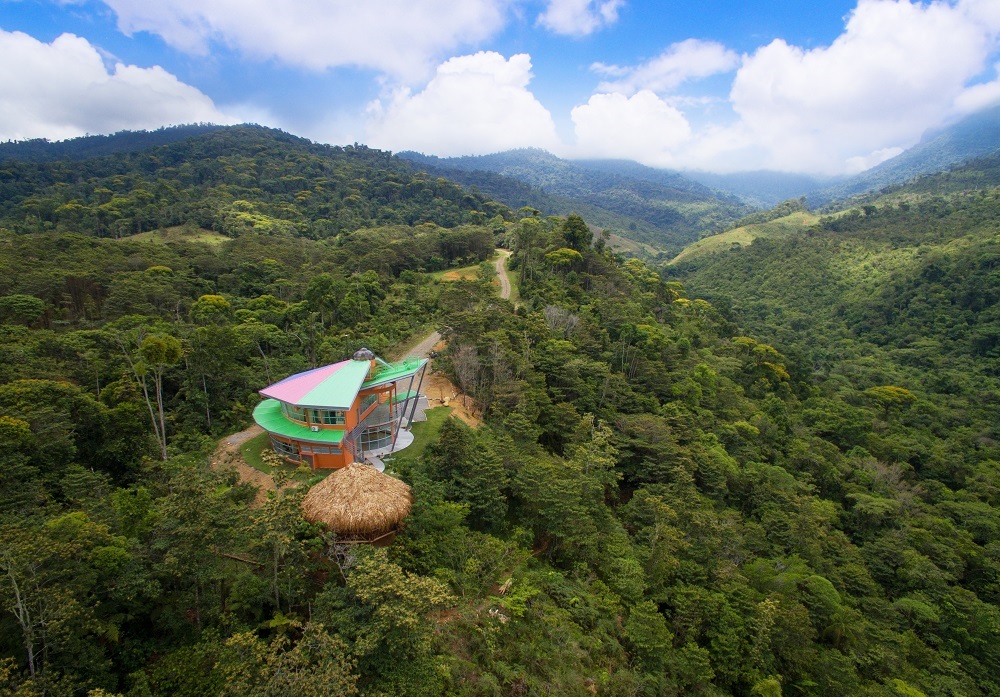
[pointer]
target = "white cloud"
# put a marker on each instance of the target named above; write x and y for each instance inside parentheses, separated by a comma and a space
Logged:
(898, 69)
(860, 163)
(579, 17)
(979, 96)
(63, 89)
(642, 127)
(398, 37)
(475, 104)
(679, 63)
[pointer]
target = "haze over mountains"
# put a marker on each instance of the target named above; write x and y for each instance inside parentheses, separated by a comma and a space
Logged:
(664, 204)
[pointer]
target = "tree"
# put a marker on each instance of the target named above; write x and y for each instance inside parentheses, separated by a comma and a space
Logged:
(564, 258)
(157, 353)
(576, 233)
(210, 309)
(21, 309)
(889, 397)
(316, 665)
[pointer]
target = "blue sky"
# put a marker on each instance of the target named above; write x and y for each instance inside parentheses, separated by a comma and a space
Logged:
(827, 87)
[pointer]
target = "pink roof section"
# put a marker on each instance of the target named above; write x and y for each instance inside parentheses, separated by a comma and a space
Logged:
(292, 389)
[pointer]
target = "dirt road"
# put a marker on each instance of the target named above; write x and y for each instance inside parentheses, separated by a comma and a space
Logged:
(501, 265)
(422, 349)
(228, 453)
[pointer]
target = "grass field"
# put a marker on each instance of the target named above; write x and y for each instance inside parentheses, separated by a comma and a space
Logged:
(623, 244)
(424, 433)
(251, 452)
(744, 236)
(178, 233)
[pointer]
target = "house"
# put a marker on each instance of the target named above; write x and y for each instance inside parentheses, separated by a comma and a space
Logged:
(347, 412)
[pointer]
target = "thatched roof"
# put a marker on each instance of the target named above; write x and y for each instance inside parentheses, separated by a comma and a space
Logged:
(358, 500)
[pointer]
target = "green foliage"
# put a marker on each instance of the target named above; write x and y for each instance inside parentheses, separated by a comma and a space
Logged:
(790, 487)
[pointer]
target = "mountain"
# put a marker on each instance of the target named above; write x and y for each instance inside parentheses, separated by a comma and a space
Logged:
(791, 218)
(975, 136)
(762, 188)
(658, 207)
(231, 180)
(42, 150)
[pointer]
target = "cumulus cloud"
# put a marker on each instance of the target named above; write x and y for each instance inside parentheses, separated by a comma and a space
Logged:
(897, 69)
(63, 89)
(687, 60)
(398, 37)
(642, 127)
(475, 104)
(579, 17)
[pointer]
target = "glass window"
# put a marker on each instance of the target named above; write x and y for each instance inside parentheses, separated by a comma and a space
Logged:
(328, 417)
(289, 450)
(368, 401)
(294, 413)
(320, 450)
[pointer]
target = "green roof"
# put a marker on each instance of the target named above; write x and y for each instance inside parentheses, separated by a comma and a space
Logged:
(396, 371)
(269, 416)
(403, 396)
(336, 386)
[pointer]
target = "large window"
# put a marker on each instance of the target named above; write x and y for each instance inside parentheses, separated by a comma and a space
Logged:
(368, 401)
(376, 437)
(328, 417)
(289, 450)
(294, 413)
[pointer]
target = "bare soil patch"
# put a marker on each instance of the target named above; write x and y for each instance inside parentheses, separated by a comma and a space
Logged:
(227, 454)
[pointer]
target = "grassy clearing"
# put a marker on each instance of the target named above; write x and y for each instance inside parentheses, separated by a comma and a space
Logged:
(464, 272)
(424, 433)
(449, 275)
(180, 233)
(251, 451)
(624, 244)
(782, 227)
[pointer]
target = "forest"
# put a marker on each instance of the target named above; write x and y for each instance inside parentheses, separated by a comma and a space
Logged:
(769, 471)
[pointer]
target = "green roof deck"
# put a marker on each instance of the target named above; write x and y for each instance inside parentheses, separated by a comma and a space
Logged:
(396, 371)
(403, 396)
(269, 416)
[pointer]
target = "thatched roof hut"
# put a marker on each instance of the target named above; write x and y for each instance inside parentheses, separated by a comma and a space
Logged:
(358, 502)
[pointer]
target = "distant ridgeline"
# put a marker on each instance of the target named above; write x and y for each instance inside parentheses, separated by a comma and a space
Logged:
(657, 207)
(231, 180)
(42, 150)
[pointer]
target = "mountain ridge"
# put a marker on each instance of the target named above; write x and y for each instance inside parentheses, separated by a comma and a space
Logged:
(674, 209)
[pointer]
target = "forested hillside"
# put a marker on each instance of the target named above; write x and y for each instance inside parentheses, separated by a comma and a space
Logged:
(42, 150)
(974, 137)
(788, 488)
(233, 180)
(653, 206)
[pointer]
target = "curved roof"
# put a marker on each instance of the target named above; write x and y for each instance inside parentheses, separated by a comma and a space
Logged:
(268, 416)
(330, 387)
(335, 386)
(358, 500)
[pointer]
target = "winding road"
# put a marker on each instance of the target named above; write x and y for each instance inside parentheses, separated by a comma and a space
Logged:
(424, 347)
(501, 265)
